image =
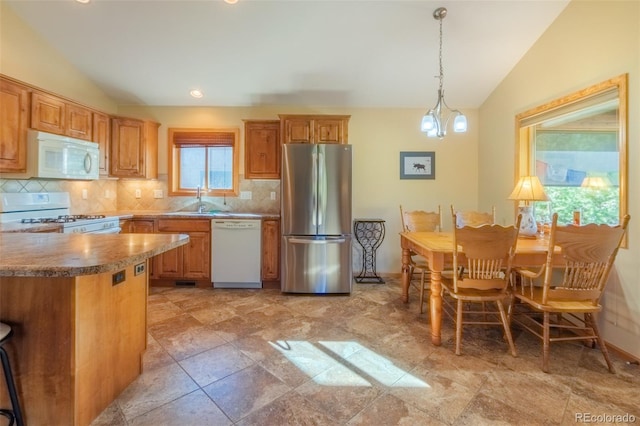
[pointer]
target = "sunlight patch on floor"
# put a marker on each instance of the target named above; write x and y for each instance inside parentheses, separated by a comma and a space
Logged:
(352, 361)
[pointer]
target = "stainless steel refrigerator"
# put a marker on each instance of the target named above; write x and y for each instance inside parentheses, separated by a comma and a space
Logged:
(316, 218)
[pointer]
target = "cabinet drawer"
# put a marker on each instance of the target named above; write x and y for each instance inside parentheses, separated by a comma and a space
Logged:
(183, 225)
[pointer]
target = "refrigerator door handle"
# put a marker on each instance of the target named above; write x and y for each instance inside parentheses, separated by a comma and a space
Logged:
(310, 241)
(314, 188)
(322, 188)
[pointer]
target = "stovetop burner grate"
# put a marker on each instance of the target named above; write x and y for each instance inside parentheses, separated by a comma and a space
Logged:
(82, 216)
(47, 220)
(67, 218)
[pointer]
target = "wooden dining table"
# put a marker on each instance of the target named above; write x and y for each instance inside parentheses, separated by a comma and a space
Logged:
(437, 249)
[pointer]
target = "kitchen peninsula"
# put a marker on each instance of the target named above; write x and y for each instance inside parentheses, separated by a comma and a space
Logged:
(78, 306)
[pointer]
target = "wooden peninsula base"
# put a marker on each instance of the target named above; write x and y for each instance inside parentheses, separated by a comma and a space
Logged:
(78, 340)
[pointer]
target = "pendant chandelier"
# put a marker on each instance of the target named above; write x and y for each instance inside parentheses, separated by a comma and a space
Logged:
(435, 121)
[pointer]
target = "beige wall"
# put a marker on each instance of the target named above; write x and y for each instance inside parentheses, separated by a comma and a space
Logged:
(591, 41)
(24, 55)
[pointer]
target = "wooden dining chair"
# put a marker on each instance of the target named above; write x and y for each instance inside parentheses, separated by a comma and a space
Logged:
(420, 221)
(482, 257)
(474, 218)
(566, 303)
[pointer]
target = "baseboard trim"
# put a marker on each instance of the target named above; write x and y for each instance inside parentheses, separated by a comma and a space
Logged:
(622, 353)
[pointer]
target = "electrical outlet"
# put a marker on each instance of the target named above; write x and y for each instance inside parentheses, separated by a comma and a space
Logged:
(106, 193)
(157, 193)
(273, 195)
(138, 269)
(85, 194)
(245, 195)
(138, 193)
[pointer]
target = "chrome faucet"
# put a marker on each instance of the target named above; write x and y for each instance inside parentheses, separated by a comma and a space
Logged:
(199, 197)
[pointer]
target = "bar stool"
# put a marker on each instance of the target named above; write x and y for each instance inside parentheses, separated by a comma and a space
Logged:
(14, 414)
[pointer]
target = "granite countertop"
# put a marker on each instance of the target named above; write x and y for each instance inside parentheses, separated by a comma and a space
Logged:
(30, 227)
(69, 255)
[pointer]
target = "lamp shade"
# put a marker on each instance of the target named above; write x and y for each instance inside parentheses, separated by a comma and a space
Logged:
(528, 188)
(595, 182)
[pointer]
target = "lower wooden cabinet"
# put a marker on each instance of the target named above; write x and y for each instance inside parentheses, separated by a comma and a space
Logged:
(137, 226)
(140, 226)
(270, 250)
(191, 261)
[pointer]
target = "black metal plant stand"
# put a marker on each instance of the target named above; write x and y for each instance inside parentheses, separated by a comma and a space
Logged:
(369, 234)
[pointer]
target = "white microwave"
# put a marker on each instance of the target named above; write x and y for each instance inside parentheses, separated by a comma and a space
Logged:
(52, 156)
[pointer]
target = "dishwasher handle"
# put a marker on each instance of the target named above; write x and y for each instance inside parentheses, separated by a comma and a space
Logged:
(235, 224)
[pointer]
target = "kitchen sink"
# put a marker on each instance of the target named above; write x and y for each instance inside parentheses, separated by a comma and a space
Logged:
(216, 214)
(188, 214)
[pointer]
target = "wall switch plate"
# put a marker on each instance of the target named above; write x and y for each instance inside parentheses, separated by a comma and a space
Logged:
(138, 193)
(85, 194)
(273, 195)
(157, 193)
(245, 195)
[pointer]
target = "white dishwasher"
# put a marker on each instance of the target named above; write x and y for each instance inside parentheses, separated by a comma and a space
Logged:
(236, 253)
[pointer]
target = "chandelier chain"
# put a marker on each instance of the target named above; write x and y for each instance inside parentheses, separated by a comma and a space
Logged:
(440, 56)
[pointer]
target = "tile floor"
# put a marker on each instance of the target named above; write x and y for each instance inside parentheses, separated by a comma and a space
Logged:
(258, 357)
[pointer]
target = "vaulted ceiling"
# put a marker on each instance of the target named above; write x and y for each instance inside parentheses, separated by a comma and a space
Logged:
(333, 53)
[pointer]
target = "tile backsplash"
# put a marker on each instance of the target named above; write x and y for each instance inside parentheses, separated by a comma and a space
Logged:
(107, 195)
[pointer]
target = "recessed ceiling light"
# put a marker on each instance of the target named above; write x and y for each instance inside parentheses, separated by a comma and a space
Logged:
(83, 1)
(196, 93)
(231, 1)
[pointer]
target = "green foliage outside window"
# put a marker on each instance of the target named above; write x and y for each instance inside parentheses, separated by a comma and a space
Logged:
(595, 205)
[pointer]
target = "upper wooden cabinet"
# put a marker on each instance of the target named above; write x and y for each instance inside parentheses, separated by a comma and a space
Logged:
(128, 147)
(47, 113)
(79, 122)
(55, 115)
(134, 148)
(262, 149)
(102, 136)
(14, 121)
(314, 128)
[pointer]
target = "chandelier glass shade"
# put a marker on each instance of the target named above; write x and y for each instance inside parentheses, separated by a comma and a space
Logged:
(435, 121)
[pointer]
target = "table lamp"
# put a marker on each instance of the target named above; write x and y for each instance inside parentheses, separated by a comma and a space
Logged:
(528, 189)
(595, 182)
